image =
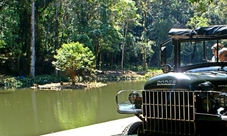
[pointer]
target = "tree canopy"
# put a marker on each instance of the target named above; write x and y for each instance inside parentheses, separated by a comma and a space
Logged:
(117, 32)
(73, 57)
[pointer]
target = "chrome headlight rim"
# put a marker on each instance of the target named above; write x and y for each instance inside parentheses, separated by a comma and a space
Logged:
(222, 99)
(133, 96)
(135, 99)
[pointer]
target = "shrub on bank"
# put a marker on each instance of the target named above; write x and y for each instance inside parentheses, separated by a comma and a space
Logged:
(19, 82)
(153, 72)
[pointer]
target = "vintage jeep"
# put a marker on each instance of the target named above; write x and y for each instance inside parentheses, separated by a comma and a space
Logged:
(190, 97)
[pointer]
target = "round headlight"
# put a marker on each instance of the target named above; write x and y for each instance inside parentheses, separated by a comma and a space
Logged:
(208, 104)
(132, 97)
(166, 68)
(222, 99)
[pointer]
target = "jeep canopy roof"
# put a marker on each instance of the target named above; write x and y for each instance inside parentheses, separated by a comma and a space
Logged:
(191, 48)
(212, 32)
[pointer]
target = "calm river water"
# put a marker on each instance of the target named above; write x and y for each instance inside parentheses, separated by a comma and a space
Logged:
(27, 112)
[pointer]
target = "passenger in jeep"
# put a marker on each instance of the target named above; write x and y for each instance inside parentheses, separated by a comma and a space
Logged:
(222, 54)
(214, 50)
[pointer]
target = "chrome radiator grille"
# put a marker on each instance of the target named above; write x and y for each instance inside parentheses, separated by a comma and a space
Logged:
(169, 111)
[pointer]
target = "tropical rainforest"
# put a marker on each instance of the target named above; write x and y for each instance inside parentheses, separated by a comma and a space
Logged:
(118, 34)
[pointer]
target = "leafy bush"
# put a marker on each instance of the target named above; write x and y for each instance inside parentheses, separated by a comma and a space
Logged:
(27, 82)
(74, 57)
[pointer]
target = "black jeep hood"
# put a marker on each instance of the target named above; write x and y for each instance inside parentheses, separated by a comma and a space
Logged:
(189, 81)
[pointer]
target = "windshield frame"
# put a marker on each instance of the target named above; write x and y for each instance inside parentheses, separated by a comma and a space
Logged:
(202, 34)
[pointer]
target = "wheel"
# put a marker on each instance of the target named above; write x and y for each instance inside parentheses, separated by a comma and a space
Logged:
(132, 128)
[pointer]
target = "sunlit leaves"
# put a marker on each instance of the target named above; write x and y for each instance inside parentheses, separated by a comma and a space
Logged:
(196, 22)
(209, 13)
(72, 57)
(2, 44)
(9, 20)
(201, 4)
(217, 12)
(125, 11)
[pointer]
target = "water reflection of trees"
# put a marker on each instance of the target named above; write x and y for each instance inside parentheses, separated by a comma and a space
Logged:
(76, 111)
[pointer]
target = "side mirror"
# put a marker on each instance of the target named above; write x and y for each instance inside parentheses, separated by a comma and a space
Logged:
(163, 55)
(166, 68)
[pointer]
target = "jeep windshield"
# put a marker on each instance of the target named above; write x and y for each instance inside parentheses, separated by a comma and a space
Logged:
(192, 48)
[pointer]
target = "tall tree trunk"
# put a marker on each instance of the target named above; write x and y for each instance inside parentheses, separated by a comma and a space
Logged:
(97, 53)
(18, 64)
(56, 24)
(144, 61)
(32, 63)
(122, 55)
(56, 3)
(72, 75)
(123, 45)
(100, 60)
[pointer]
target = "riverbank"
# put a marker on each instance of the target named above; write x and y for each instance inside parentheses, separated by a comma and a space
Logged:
(110, 128)
(101, 77)
(53, 82)
(68, 85)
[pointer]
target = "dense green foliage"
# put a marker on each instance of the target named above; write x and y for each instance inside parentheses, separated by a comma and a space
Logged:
(122, 34)
(20, 82)
(74, 57)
